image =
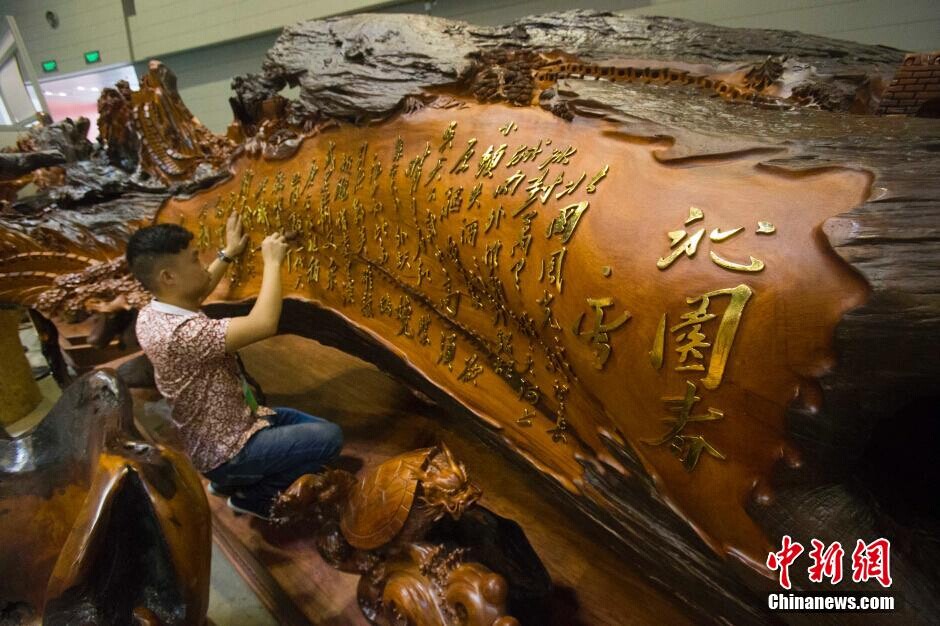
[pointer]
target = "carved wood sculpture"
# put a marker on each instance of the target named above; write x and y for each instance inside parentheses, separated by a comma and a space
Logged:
(682, 270)
(58, 248)
(376, 526)
(96, 526)
(152, 147)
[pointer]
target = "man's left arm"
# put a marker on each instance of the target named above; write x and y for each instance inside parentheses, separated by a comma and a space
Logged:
(235, 242)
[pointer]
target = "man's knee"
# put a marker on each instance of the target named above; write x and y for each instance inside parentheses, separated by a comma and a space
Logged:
(329, 438)
(336, 437)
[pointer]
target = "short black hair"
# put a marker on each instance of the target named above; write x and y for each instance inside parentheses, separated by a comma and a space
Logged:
(148, 244)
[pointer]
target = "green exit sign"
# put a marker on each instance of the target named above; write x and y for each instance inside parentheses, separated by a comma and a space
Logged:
(49, 66)
(92, 56)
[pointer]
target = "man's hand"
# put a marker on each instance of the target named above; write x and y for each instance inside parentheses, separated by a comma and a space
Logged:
(263, 318)
(235, 243)
(235, 238)
(274, 249)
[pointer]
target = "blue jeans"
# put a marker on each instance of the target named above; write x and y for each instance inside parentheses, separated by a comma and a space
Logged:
(274, 457)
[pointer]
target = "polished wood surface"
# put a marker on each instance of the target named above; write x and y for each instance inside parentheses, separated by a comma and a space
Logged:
(782, 346)
(380, 418)
(97, 524)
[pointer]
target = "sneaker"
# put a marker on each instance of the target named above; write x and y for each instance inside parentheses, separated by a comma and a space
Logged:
(246, 506)
(216, 489)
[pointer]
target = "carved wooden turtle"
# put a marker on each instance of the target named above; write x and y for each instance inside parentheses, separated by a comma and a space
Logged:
(382, 506)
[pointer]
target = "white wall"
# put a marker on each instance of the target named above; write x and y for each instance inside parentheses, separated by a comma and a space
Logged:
(163, 26)
(83, 25)
(8, 138)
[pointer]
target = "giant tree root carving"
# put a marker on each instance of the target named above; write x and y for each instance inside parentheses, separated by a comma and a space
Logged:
(658, 260)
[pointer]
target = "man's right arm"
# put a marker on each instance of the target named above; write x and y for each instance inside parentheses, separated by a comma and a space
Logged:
(261, 322)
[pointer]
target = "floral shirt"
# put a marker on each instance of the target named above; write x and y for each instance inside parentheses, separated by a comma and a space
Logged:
(201, 381)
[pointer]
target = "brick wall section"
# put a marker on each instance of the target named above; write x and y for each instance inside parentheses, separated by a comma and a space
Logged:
(916, 82)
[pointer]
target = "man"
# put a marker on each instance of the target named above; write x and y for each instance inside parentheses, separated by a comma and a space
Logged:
(249, 452)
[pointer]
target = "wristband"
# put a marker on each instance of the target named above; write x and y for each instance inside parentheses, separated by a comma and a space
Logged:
(224, 257)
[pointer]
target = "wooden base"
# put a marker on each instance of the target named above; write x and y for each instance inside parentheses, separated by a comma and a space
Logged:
(18, 388)
(381, 418)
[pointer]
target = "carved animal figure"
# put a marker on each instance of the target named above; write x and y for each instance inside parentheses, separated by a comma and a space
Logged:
(374, 526)
(383, 507)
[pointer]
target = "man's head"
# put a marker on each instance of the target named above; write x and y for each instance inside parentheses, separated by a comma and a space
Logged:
(162, 259)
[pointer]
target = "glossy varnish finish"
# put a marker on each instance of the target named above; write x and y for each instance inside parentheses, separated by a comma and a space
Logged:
(603, 388)
(97, 524)
(594, 583)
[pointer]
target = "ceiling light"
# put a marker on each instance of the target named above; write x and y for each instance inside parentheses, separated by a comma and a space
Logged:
(62, 93)
(48, 93)
(80, 88)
